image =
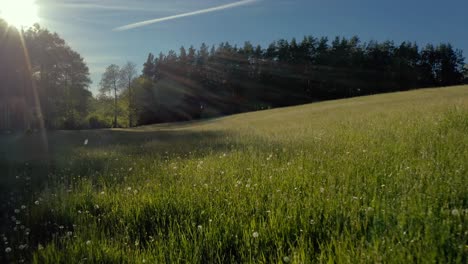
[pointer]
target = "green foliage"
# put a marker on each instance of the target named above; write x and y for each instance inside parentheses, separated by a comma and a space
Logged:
(363, 180)
(44, 82)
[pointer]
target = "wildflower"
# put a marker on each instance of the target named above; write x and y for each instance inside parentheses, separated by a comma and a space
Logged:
(69, 233)
(200, 227)
(88, 242)
(130, 169)
(255, 234)
(8, 250)
(17, 211)
(36, 202)
(322, 190)
(40, 247)
(286, 259)
(455, 212)
(21, 247)
(102, 193)
(85, 142)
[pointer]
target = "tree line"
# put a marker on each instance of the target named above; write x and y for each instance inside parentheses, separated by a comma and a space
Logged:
(226, 79)
(45, 83)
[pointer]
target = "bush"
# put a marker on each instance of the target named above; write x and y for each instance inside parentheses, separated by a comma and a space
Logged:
(95, 123)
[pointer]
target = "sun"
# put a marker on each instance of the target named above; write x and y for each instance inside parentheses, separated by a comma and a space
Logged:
(19, 13)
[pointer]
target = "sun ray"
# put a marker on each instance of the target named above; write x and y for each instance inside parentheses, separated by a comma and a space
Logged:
(37, 104)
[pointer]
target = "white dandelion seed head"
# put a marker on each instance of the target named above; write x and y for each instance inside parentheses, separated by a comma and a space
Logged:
(455, 212)
(255, 234)
(286, 259)
(8, 250)
(88, 242)
(17, 211)
(36, 202)
(85, 142)
(200, 227)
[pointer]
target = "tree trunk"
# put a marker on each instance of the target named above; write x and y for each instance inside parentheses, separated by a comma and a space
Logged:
(115, 106)
(130, 112)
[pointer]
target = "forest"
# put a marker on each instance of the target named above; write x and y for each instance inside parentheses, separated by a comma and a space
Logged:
(44, 83)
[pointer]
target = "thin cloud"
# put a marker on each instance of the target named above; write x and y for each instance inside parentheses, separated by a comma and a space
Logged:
(194, 13)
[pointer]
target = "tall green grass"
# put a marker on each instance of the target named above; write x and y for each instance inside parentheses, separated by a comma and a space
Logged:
(365, 180)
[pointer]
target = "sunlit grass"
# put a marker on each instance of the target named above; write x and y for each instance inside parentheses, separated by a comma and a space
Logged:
(372, 179)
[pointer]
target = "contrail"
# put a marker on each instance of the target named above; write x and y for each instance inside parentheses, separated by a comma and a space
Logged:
(198, 12)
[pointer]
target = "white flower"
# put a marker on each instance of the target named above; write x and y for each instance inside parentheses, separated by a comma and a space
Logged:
(23, 207)
(255, 234)
(455, 212)
(8, 250)
(322, 190)
(85, 142)
(36, 202)
(286, 259)
(200, 227)
(88, 242)
(17, 211)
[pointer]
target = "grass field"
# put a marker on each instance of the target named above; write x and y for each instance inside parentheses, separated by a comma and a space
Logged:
(378, 179)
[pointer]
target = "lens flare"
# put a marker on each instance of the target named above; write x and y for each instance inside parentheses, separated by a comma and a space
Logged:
(19, 13)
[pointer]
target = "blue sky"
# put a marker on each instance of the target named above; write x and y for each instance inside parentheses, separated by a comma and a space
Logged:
(88, 25)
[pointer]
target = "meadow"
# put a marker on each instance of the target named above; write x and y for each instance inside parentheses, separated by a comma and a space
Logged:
(376, 179)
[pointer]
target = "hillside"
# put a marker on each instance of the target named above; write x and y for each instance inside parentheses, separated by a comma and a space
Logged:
(370, 179)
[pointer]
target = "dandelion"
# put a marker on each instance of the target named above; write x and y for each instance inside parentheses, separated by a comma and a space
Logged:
(255, 234)
(21, 247)
(200, 227)
(322, 190)
(69, 233)
(36, 202)
(102, 193)
(286, 259)
(85, 142)
(17, 211)
(88, 242)
(455, 212)
(8, 250)
(40, 247)
(130, 169)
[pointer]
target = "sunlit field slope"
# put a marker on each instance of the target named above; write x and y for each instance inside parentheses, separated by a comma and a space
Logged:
(365, 180)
